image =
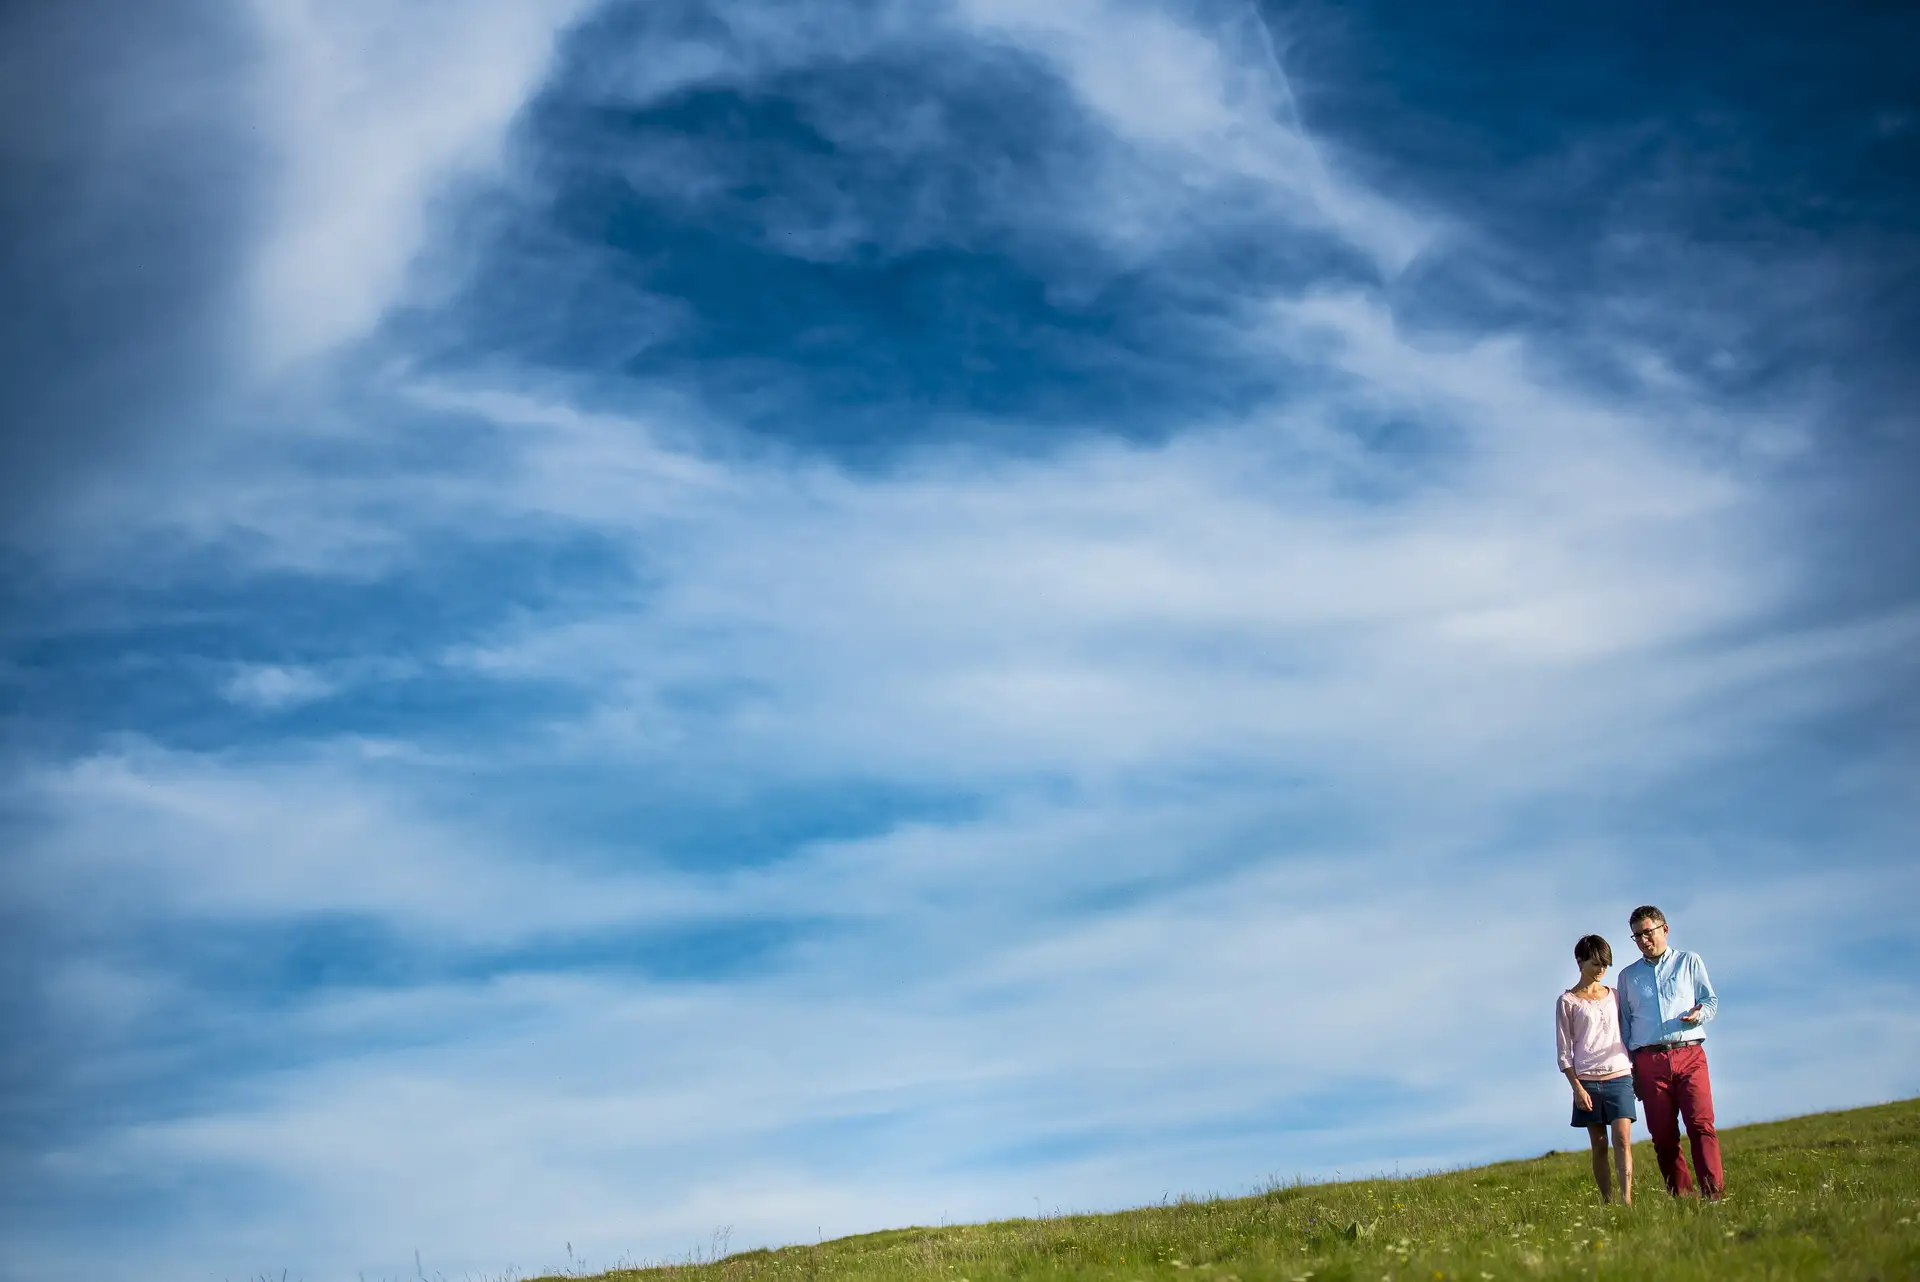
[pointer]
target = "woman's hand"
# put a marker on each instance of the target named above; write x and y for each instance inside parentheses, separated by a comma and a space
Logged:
(1582, 1100)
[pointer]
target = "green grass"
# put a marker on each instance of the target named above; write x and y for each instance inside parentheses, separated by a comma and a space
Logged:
(1835, 1195)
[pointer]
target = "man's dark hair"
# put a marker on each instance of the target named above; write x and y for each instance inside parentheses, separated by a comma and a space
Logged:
(1646, 912)
(1593, 948)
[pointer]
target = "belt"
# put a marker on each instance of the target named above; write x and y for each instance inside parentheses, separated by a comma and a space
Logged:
(1669, 1046)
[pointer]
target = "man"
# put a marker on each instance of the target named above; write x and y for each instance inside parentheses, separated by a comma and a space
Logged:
(1666, 1001)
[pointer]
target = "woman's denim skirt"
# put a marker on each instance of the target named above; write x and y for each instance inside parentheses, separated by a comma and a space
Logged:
(1612, 1100)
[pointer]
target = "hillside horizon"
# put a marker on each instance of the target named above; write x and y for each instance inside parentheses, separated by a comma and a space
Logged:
(1790, 1213)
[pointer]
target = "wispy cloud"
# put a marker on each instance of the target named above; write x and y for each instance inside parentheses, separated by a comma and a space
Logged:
(1204, 105)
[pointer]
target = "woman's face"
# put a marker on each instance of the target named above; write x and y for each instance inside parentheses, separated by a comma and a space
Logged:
(1590, 971)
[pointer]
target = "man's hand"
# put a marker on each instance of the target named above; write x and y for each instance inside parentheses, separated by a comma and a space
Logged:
(1582, 1100)
(1692, 1016)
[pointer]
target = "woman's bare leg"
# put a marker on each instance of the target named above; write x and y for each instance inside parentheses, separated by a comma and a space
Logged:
(1623, 1158)
(1597, 1136)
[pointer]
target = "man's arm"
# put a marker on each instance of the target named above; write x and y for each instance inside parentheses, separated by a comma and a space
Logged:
(1706, 1003)
(1624, 1014)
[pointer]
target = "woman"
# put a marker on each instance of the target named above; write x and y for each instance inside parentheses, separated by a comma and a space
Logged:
(1587, 1021)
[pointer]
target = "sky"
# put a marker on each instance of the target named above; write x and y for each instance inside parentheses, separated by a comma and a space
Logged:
(635, 629)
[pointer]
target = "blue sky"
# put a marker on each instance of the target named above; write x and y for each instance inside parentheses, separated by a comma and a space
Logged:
(625, 623)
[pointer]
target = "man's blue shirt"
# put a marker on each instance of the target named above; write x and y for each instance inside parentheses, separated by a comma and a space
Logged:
(1652, 997)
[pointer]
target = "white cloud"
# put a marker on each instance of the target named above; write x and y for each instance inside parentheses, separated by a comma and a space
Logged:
(1240, 594)
(147, 830)
(375, 107)
(272, 687)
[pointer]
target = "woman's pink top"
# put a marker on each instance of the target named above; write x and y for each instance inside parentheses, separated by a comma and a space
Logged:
(1588, 1035)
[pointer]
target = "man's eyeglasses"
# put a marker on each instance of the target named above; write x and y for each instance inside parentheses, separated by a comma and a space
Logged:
(1649, 932)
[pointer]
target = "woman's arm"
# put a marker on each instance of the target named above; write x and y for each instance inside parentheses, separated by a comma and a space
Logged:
(1563, 1041)
(1581, 1099)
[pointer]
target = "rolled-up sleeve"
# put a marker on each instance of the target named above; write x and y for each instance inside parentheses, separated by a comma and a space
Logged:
(1563, 1033)
(1703, 994)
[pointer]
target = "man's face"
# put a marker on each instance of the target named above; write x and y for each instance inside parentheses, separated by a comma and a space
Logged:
(1650, 936)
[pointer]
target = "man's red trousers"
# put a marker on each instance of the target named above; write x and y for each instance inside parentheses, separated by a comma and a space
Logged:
(1674, 1085)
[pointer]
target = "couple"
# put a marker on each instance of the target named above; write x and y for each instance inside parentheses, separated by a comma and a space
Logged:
(1649, 1040)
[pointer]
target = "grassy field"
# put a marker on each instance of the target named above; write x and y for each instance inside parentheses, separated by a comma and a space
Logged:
(1836, 1195)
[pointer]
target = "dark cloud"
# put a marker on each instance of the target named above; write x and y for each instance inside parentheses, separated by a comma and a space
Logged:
(1733, 187)
(121, 154)
(861, 252)
(1749, 173)
(128, 153)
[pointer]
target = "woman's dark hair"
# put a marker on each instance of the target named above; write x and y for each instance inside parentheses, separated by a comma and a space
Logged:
(1593, 948)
